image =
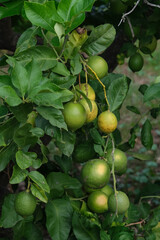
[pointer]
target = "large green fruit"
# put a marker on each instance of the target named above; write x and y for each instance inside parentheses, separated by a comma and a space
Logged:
(87, 90)
(25, 203)
(136, 62)
(98, 65)
(120, 160)
(74, 115)
(98, 202)
(95, 173)
(122, 203)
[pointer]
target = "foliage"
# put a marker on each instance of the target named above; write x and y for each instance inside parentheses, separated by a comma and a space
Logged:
(36, 144)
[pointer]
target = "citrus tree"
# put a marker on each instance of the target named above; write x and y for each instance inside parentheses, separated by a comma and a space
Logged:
(60, 145)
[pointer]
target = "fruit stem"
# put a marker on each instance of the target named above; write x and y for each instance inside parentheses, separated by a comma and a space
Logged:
(113, 173)
(29, 184)
(75, 93)
(104, 88)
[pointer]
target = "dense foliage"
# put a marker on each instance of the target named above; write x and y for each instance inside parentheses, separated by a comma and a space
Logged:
(59, 114)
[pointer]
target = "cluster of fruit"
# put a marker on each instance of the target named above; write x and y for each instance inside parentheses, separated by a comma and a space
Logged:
(77, 113)
(95, 173)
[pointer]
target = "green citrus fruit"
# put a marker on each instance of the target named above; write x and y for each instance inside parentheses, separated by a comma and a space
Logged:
(95, 173)
(136, 62)
(107, 190)
(25, 203)
(117, 7)
(91, 114)
(120, 160)
(122, 202)
(148, 48)
(74, 115)
(98, 202)
(87, 90)
(98, 65)
(107, 122)
(83, 152)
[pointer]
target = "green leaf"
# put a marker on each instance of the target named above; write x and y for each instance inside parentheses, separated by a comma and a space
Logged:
(34, 75)
(20, 78)
(146, 135)
(100, 39)
(59, 216)
(10, 96)
(133, 109)
(104, 235)
(40, 180)
(26, 40)
(25, 159)
(38, 192)
(64, 82)
(8, 128)
(82, 229)
(18, 175)
(23, 137)
(5, 80)
(73, 8)
(61, 69)
(97, 137)
(76, 66)
(63, 183)
(98, 149)
(9, 217)
(53, 115)
(11, 8)
(25, 229)
(7, 154)
(21, 112)
(133, 214)
(38, 132)
(141, 156)
(42, 15)
(51, 95)
(43, 56)
(152, 92)
(117, 92)
(2, 141)
(65, 141)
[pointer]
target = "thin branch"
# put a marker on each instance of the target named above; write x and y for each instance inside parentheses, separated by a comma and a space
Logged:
(148, 197)
(130, 25)
(113, 173)
(128, 13)
(136, 223)
(49, 43)
(151, 4)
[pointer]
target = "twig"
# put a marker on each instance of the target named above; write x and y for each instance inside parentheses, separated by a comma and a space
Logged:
(127, 13)
(3, 71)
(130, 25)
(136, 223)
(113, 173)
(148, 197)
(50, 44)
(104, 88)
(151, 4)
